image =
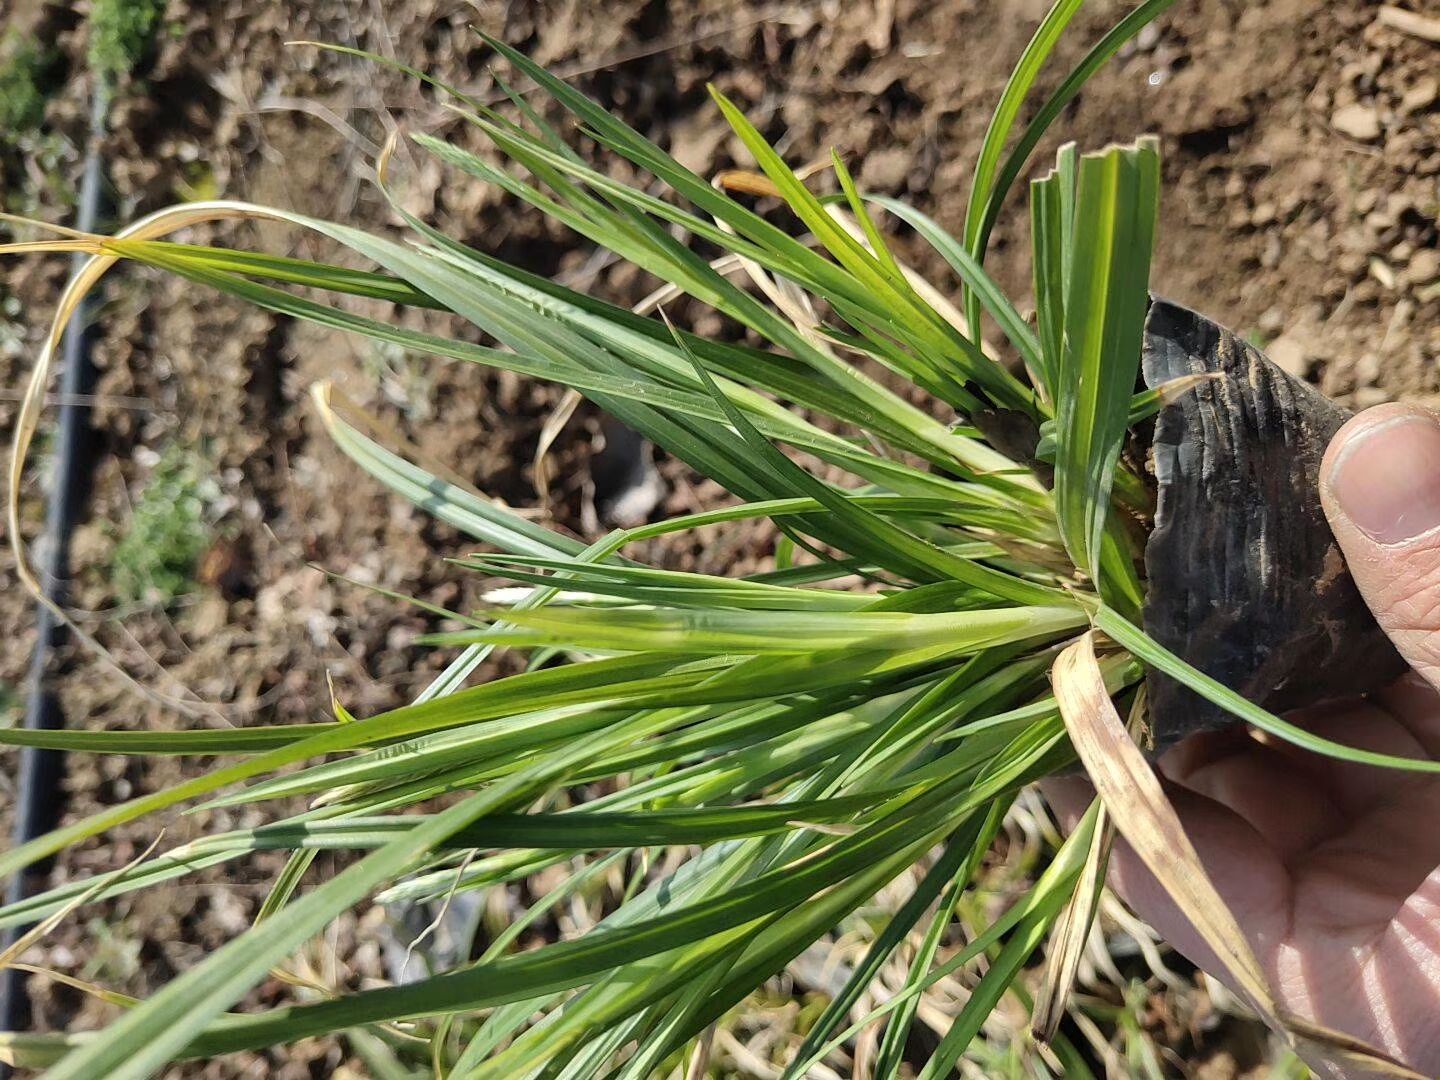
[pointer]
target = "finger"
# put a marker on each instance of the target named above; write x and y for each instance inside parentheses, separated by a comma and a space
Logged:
(1412, 701)
(1069, 797)
(1202, 751)
(1380, 486)
(1375, 726)
(1243, 866)
(1275, 794)
(1245, 870)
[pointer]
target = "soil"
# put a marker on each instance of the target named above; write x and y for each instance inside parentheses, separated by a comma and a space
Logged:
(1302, 189)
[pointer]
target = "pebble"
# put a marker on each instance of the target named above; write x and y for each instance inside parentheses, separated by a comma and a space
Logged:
(1424, 93)
(1424, 266)
(885, 170)
(1272, 254)
(1367, 397)
(1360, 122)
(1289, 354)
(1351, 263)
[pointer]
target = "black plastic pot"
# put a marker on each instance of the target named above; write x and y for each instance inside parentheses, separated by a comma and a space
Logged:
(1246, 581)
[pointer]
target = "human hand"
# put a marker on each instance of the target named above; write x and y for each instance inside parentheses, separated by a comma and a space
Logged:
(1333, 869)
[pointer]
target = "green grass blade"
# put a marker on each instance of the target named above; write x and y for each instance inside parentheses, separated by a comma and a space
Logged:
(892, 305)
(1151, 652)
(720, 631)
(601, 679)
(889, 1056)
(201, 741)
(1050, 243)
(881, 539)
(1002, 121)
(1015, 161)
(160, 1028)
(1003, 971)
(977, 281)
(873, 239)
(959, 853)
(1044, 899)
(1116, 208)
(561, 966)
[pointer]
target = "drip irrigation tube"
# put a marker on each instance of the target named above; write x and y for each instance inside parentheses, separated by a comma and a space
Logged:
(38, 789)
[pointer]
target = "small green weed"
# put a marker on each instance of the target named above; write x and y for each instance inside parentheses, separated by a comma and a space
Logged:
(120, 35)
(32, 160)
(24, 67)
(114, 955)
(11, 705)
(169, 530)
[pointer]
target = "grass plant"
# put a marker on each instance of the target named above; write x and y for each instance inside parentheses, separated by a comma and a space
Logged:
(759, 755)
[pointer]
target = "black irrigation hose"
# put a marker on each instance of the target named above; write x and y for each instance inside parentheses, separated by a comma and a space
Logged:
(38, 791)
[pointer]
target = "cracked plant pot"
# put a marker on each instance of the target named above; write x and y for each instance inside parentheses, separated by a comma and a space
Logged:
(1246, 581)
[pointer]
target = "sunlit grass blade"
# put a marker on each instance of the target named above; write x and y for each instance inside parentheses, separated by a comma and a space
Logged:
(195, 741)
(400, 467)
(874, 241)
(1003, 971)
(720, 631)
(561, 966)
(882, 539)
(890, 1054)
(620, 137)
(1135, 21)
(997, 133)
(1052, 219)
(153, 1033)
(1116, 207)
(1040, 903)
(1157, 656)
(769, 951)
(970, 363)
(955, 865)
(1072, 933)
(576, 683)
(970, 273)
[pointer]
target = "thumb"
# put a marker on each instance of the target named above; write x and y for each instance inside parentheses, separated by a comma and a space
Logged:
(1380, 486)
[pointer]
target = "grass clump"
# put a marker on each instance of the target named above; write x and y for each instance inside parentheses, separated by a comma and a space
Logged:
(742, 762)
(168, 531)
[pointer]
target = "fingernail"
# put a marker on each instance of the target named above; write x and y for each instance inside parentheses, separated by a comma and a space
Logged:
(1386, 478)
